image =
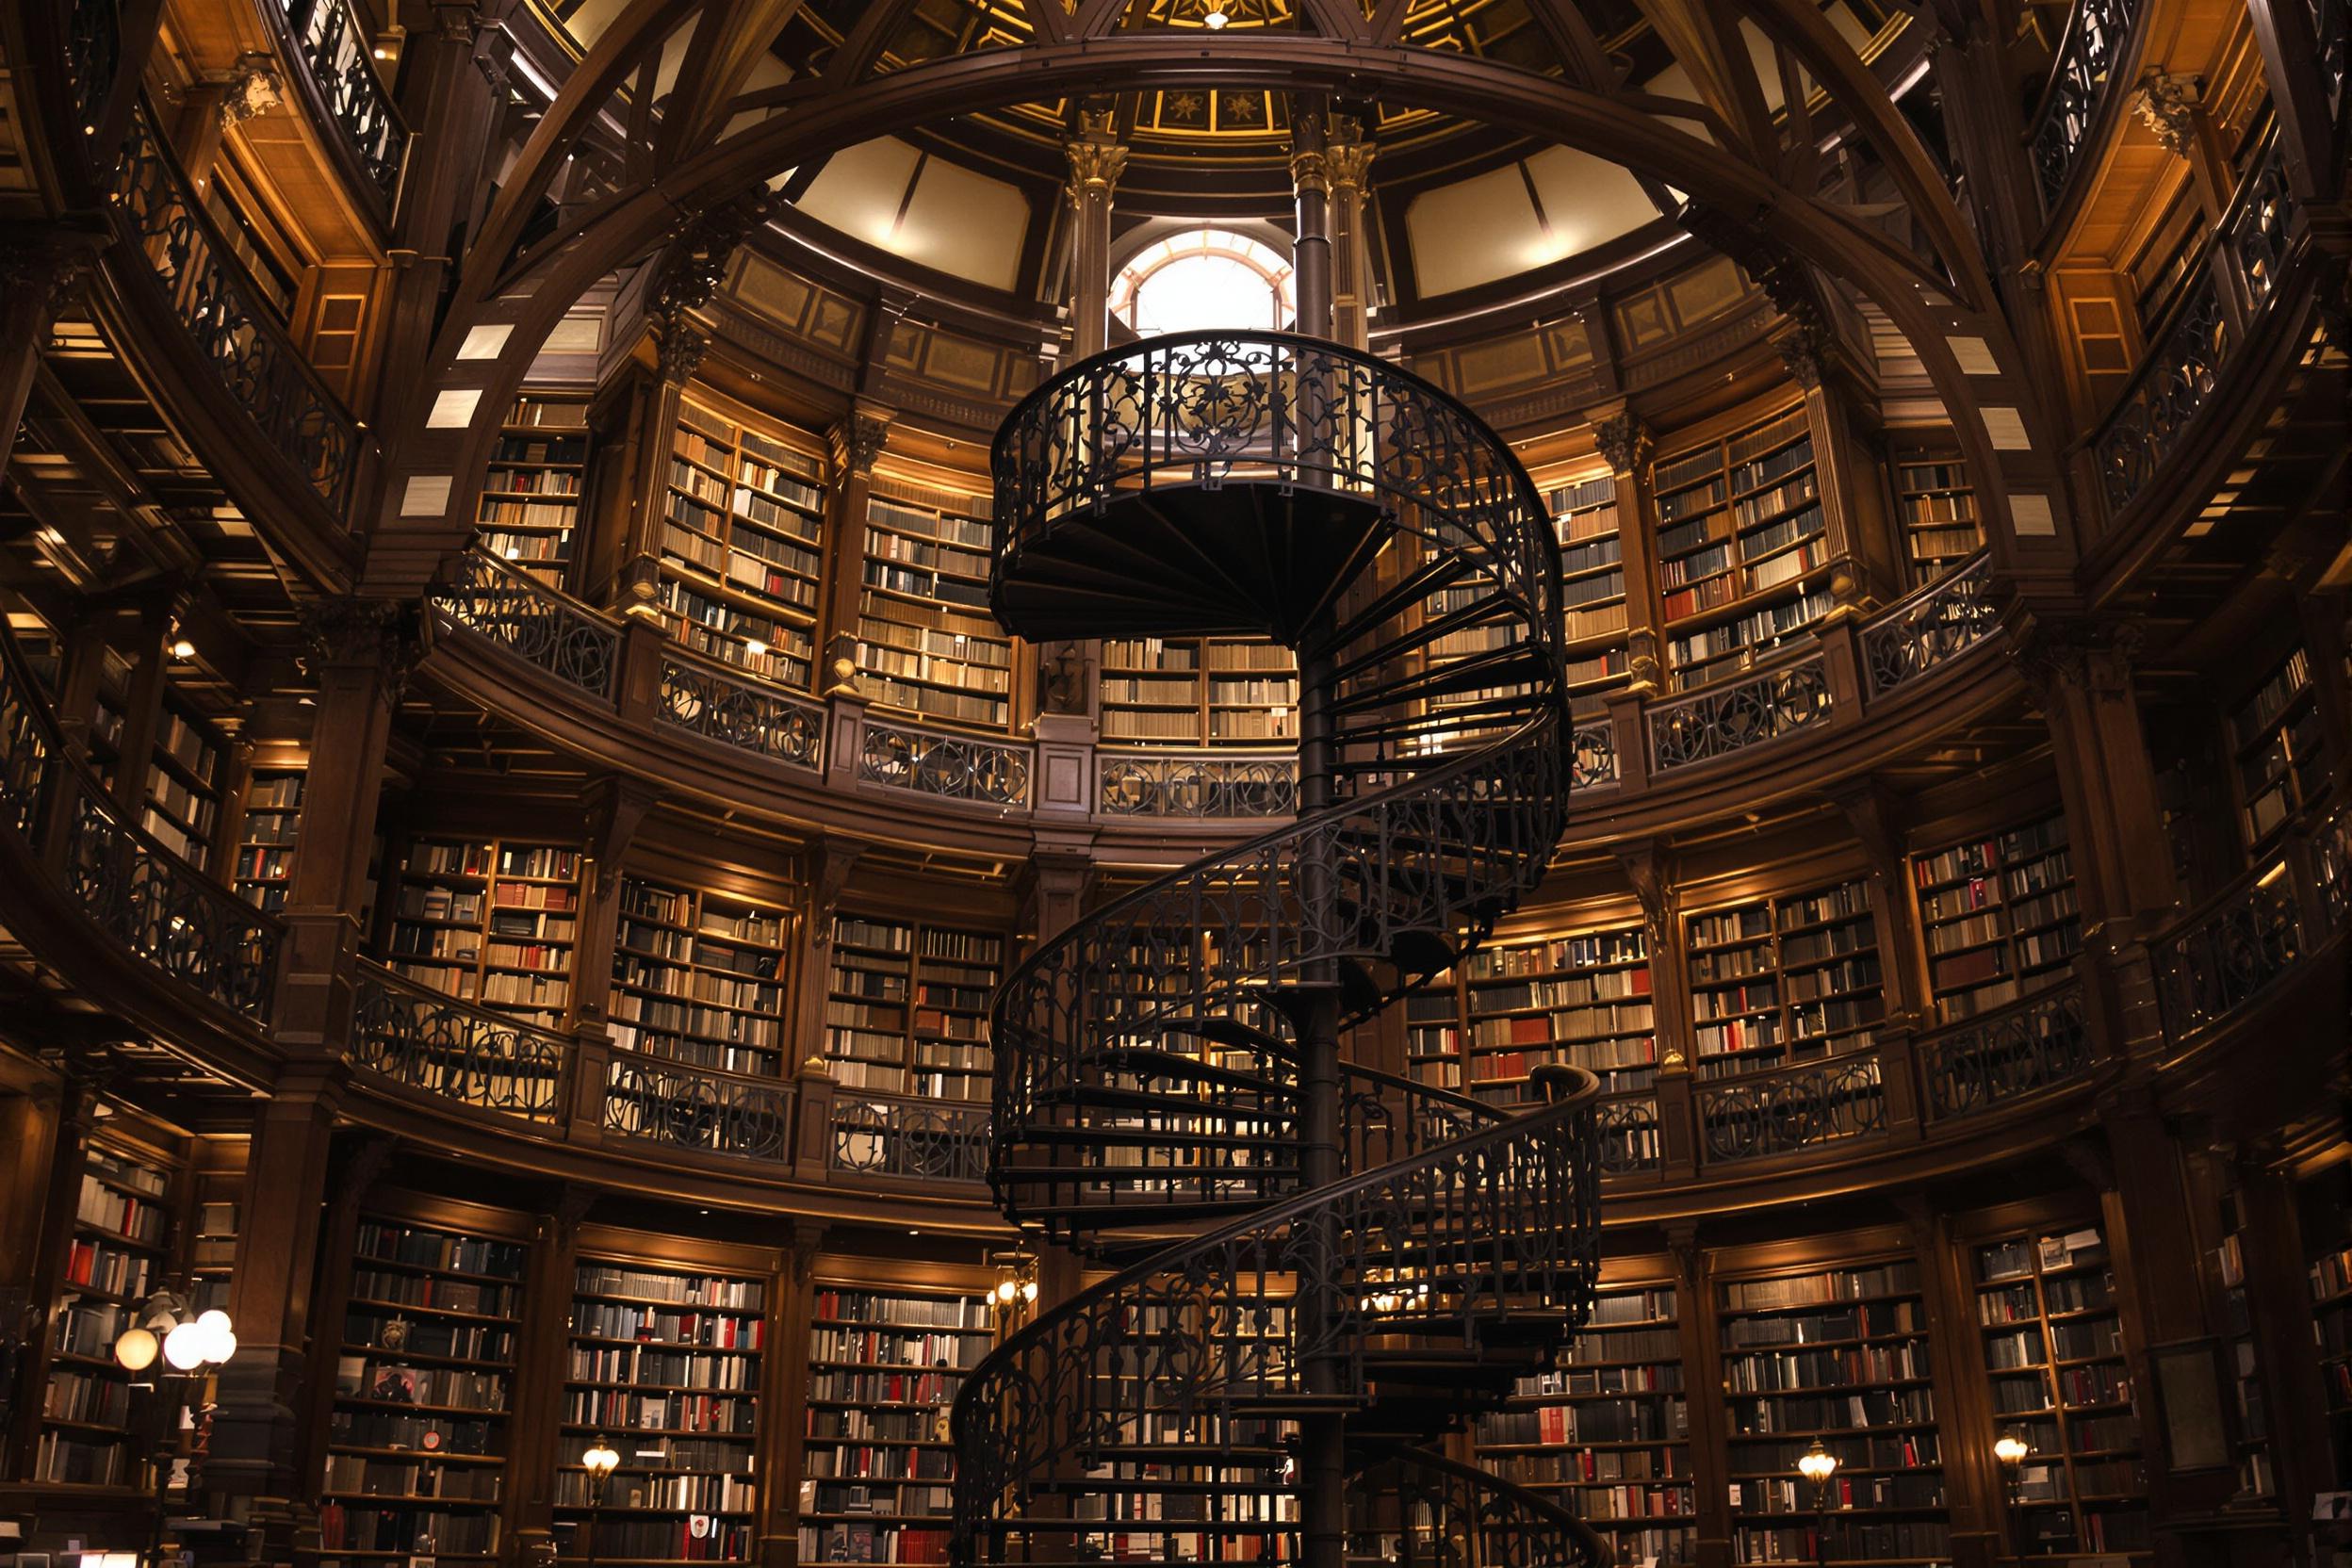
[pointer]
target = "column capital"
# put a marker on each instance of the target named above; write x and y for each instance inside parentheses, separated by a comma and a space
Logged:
(1348, 157)
(1096, 158)
(352, 631)
(858, 437)
(1625, 441)
(2168, 104)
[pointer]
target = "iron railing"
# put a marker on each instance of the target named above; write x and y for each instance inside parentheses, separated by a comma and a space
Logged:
(1732, 715)
(1929, 627)
(453, 1050)
(1793, 1109)
(1194, 785)
(741, 711)
(1418, 1508)
(949, 767)
(2237, 946)
(927, 1140)
(686, 1107)
(1988, 1062)
(486, 596)
(1628, 1131)
(334, 46)
(1593, 755)
(2080, 77)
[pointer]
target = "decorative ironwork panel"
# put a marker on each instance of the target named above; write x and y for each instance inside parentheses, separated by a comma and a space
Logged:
(23, 746)
(677, 1105)
(2080, 79)
(2332, 869)
(178, 920)
(1785, 1112)
(335, 46)
(2260, 223)
(94, 53)
(1929, 628)
(920, 1139)
(1593, 757)
(1418, 1508)
(2172, 385)
(952, 767)
(1181, 786)
(485, 596)
(455, 1051)
(2227, 955)
(258, 366)
(2022, 1050)
(1629, 1135)
(1718, 721)
(746, 715)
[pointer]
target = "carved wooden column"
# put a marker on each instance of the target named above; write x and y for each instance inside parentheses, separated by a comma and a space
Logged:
(787, 1365)
(1625, 443)
(831, 861)
(541, 1358)
(1871, 811)
(858, 441)
(1347, 161)
(1650, 868)
(616, 807)
(1703, 1371)
(636, 581)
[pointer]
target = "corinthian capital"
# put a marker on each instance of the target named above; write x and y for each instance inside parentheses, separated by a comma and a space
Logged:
(1096, 157)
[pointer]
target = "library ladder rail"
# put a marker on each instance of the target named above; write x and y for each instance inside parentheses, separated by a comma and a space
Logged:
(1360, 1263)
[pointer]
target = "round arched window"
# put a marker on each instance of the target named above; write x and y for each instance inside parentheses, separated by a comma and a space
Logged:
(1205, 281)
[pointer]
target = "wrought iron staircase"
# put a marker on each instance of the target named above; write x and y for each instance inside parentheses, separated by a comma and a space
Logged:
(1365, 1261)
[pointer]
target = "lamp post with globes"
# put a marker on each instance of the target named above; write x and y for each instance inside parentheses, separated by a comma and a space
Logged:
(600, 1460)
(2011, 1450)
(191, 1346)
(1817, 1464)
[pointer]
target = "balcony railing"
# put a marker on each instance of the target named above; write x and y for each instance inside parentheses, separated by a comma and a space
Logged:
(453, 1050)
(1592, 757)
(950, 767)
(2023, 1049)
(925, 1140)
(258, 369)
(2080, 77)
(335, 48)
(1628, 1131)
(564, 638)
(2232, 951)
(1929, 628)
(1797, 1108)
(686, 1107)
(741, 711)
(1740, 712)
(1196, 784)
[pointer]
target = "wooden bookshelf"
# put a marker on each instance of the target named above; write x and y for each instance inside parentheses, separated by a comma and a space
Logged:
(884, 1365)
(120, 1251)
(265, 840)
(1997, 916)
(1593, 587)
(1742, 548)
(927, 643)
(1936, 509)
(530, 511)
(907, 1007)
(2276, 752)
(1838, 1353)
(1435, 1040)
(2327, 1244)
(184, 778)
(1199, 691)
(698, 977)
(1790, 978)
(1607, 1434)
(664, 1365)
(1582, 999)
(2258, 1470)
(742, 540)
(490, 920)
(2053, 1352)
(419, 1434)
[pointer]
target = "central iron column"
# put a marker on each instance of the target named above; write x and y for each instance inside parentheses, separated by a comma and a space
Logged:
(1323, 1434)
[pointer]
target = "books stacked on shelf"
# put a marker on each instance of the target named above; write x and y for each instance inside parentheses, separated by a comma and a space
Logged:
(1840, 1354)
(2327, 1236)
(697, 977)
(1592, 582)
(742, 540)
(905, 1011)
(1742, 548)
(1197, 692)
(2055, 1355)
(418, 1434)
(265, 846)
(181, 801)
(2275, 741)
(120, 1251)
(530, 495)
(1435, 1035)
(212, 1248)
(1607, 1434)
(925, 639)
(1582, 999)
(2258, 1475)
(665, 1367)
(1787, 979)
(490, 922)
(1999, 917)
(1936, 507)
(882, 1369)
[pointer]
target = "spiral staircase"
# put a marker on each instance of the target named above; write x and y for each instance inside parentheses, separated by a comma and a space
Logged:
(1365, 1262)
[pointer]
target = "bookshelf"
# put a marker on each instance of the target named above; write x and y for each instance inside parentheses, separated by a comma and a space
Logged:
(265, 840)
(1936, 509)
(1607, 1434)
(184, 776)
(906, 1006)
(743, 539)
(1997, 916)
(1839, 1353)
(883, 1368)
(530, 511)
(2258, 1473)
(1434, 1035)
(1790, 978)
(926, 642)
(1742, 548)
(120, 1251)
(697, 977)
(2274, 749)
(418, 1431)
(2327, 1241)
(665, 1365)
(1593, 587)
(489, 921)
(1582, 999)
(2053, 1352)
(1199, 691)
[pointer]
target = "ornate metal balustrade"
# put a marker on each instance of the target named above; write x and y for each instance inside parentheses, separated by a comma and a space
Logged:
(740, 711)
(486, 596)
(2240, 945)
(926, 1140)
(260, 371)
(1986, 1063)
(334, 45)
(1930, 627)
(164, 911)
(454, 1051)
(25, 736)
(683, 1107)
(1628, 1131)
(94, 52)
(951, 767)
(1186, 785)
(1592, 757)
(2331, 869)
(1728, 718)
(1784, 1112)
(2171, 385)
(2260, 222)
(2080, 77)
(1417, 1509)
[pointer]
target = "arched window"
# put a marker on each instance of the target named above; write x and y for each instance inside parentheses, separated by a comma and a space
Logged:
(1203, 281)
